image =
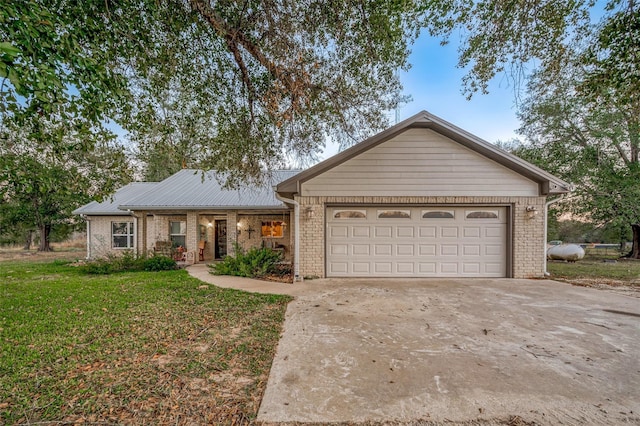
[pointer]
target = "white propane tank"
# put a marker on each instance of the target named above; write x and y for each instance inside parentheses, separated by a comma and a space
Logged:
(568, 252)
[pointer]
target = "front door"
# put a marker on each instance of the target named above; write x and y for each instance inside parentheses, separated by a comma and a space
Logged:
(221, 239)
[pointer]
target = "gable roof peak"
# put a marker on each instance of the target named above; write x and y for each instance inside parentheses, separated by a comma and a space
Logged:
(549, 184)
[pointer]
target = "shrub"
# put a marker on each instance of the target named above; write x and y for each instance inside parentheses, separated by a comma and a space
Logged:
(159, 263)
(127, 261)
(98, 267)
(255, 263)
(112, 263)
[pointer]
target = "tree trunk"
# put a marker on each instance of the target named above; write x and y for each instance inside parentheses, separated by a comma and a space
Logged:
(45, 230)
(28, 240)
(635, 249)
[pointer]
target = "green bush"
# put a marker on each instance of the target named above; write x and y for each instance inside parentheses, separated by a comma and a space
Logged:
(255, 263)
(98, 267)
(110, 263)
(127, 261)
(159, 263)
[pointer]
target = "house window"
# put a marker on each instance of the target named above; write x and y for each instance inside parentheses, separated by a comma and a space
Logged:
(178, 233)
(122, 235)
(482, 214)
(273, 229)
(437, 214)
(394, 214)
(350, 214)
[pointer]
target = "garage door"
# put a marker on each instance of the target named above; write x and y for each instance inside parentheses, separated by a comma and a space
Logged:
(416, 241)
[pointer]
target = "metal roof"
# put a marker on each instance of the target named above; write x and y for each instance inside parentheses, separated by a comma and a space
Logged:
(110, 205)
(191, 189)
(549, 184)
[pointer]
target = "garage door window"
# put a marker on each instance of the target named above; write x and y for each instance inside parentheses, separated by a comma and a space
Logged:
(394, 214)
(482, 214)
(437, 214)
(350, 214)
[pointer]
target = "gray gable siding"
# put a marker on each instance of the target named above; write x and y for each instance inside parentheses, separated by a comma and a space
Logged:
(420, 162)
(547, 183)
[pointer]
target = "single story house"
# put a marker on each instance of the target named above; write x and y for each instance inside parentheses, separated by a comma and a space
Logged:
(423, 198)
(191, 210)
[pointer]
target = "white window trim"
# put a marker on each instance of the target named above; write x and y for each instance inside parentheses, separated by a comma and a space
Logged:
(131, 236)
(178, 235)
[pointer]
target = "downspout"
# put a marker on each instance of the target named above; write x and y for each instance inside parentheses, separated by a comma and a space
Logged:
(86, 219)
(544, 241)
(296, 242)
(135, 232)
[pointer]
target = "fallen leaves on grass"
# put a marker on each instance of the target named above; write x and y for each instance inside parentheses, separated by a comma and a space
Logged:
(166, 351)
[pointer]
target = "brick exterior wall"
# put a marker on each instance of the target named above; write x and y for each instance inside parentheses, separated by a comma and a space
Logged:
(99, 237)
(232, 232)
(256, 239)
(527, 251)
(152, 227)
(162, 226)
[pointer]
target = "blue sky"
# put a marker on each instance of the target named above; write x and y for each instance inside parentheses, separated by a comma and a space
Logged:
(435, 84)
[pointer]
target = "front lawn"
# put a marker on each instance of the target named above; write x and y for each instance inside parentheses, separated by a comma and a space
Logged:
(599, 271)
(132, 348)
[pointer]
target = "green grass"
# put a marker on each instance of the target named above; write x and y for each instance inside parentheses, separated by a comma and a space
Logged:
(143, 347)
(591, 268)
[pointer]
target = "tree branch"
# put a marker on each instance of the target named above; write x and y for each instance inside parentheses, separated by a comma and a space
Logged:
(235, 39)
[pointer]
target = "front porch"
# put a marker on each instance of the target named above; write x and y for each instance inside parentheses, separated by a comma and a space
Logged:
(206, 236)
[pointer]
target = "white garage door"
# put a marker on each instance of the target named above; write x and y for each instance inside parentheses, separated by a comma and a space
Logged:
(417, 241)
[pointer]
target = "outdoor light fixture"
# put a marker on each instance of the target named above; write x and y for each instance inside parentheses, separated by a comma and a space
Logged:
(532, 211)
(309, 212)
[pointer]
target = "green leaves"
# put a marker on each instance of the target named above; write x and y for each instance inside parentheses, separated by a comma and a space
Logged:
(584, 124)
(44, 182)
(8, 50)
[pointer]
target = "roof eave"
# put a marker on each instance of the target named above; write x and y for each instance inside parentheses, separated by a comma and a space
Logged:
(118, 213)
(192, 208)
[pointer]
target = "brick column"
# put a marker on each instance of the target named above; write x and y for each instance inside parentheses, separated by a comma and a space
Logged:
(232, 234)
(311, 237)
(191, 240)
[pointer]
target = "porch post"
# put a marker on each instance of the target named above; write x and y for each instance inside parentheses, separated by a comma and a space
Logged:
(192, 233)
(232, 232)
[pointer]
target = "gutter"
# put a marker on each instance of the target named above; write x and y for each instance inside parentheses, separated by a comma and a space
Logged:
(296, 242)
(544, 241)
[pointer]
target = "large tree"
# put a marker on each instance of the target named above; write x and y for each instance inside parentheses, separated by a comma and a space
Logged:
(175, 135)
(41, 185)
(584, 123)
(270, 78)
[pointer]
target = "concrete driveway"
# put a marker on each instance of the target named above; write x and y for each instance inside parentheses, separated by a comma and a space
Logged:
(457, 350)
